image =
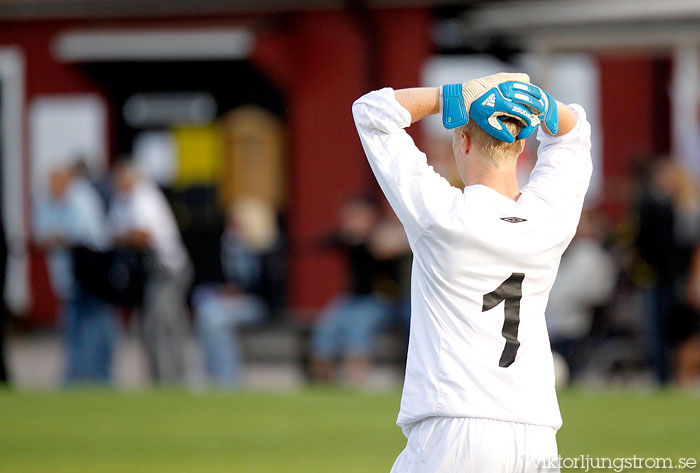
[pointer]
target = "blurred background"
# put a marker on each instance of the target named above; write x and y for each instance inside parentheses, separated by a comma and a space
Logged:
(185, 200)
(186, 204)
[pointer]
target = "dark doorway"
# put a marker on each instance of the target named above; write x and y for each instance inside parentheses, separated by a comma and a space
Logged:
(230, 84)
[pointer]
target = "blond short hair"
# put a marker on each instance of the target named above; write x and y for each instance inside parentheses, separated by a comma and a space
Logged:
(497, 151)
(256, 222)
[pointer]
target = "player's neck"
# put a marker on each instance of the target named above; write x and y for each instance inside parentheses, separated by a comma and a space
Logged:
(501, 179)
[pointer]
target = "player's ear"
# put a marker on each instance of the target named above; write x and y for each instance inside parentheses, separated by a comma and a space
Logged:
(465, 141)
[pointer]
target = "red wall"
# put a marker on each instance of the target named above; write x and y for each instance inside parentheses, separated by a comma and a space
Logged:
(635, 120)
(322, 61)
(326, 53)
(323, 53)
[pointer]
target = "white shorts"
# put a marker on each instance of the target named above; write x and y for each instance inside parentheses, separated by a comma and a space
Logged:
(474, 445)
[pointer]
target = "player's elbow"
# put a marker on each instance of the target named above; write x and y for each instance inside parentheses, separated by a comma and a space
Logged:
(361, 116)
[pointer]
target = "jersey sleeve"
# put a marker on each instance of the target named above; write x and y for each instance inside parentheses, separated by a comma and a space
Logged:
(417, 193)
(563, 170)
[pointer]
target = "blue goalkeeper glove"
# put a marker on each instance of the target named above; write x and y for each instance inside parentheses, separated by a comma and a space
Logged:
(491, 98)
(525, 102)
(457, 98)
(518, 100)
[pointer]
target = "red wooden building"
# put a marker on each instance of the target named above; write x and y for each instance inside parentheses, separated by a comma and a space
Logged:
(316, 58)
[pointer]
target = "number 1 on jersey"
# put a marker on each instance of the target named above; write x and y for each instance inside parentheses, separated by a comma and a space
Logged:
(510, 291)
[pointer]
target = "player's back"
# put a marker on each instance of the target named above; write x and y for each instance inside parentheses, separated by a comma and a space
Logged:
(481, 278)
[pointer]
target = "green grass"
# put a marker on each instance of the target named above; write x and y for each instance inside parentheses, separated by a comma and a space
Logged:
(316, 430)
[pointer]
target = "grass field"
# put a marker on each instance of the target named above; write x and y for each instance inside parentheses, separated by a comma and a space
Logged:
(318, 430)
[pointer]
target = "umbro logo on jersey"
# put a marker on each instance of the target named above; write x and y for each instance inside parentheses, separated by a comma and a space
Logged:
(513, 219)
(490, 101)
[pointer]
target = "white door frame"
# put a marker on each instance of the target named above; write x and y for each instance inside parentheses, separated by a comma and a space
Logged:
(12, 75)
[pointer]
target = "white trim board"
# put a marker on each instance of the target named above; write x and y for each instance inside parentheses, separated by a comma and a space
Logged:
(200, 44)
(16, 290)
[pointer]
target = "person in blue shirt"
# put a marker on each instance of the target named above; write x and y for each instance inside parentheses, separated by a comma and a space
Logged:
(70, 214)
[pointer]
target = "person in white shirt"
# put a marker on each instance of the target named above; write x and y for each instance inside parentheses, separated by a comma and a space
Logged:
(586, 279)
(479, 390)
(141, 218)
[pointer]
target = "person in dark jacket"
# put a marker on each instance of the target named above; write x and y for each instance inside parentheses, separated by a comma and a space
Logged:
(252, 263)
(348, 326)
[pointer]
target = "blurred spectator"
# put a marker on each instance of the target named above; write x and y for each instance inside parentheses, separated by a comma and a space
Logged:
(4, 377)
(668, 218)
(252, 261)
(688, 355)
(70, 215)
(142, 219)
(100, 181)
(348, 326)
(586, 279)
(390, 245)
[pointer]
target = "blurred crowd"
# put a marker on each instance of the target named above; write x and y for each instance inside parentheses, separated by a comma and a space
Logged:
(116, 259)
(625, 306)
(625, 303)
(110, 249)
(113, 247)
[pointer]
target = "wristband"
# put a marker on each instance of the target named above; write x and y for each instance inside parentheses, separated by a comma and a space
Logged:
(454, 113)
(551, 114)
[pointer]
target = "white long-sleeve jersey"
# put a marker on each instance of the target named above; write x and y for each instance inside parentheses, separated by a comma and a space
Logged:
(483, 266)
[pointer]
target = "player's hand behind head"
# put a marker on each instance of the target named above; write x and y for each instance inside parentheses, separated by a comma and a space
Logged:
(489, 99)
(516, 99)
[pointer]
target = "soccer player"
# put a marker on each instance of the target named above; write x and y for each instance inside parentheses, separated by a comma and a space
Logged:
(479, 389)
